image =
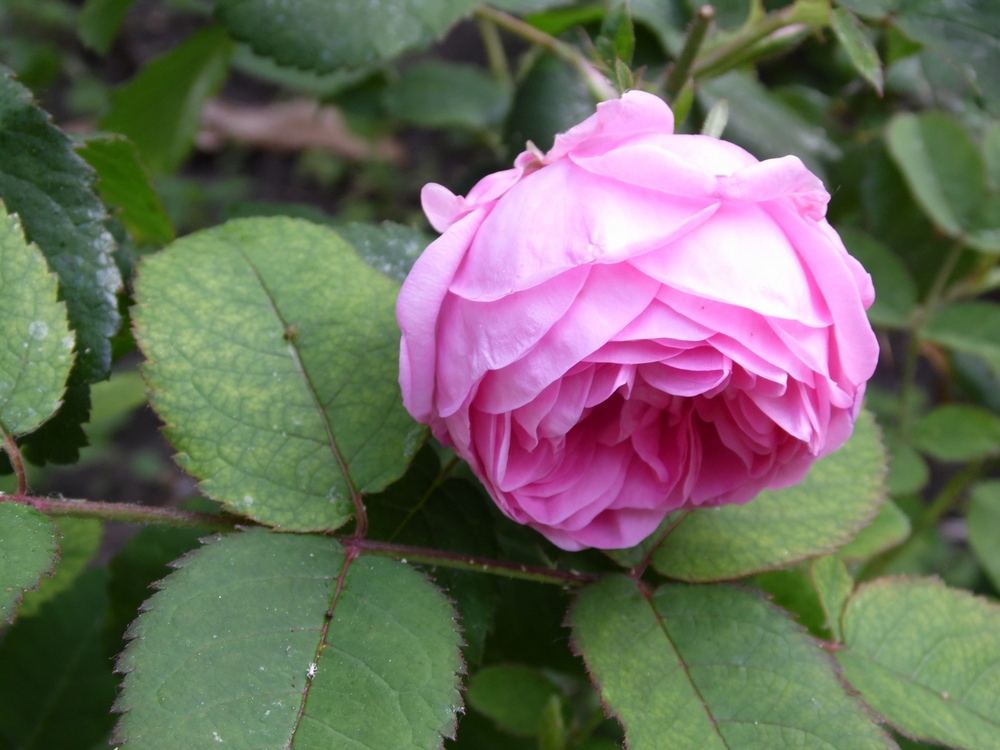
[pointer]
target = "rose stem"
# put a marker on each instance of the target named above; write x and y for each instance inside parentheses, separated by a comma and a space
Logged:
(495, 55)
(225, 522)
(14, 453)
(680, 71)
(600, 87)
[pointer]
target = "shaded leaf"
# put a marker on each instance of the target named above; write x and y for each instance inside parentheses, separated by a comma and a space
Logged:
(386, 247)
(794, 591)
(908, 472)
(925, 657)
(223, 652)
(895, 290)
(79, 540)
(311, 33)
(436, 94)
(48, 187)
(968, 327)
(859, 48)
(37, 351)
(511, 695)
(889, 528)
(833, 585)
(839, 496)
(159, 109)
(271, 354)
(984, 527)
(957, 432)
(27, 551)
(99, 22)
(712, 667)
(124, 186)
(56, 685)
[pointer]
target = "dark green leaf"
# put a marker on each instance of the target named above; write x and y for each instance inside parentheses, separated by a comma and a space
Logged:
(99, 22)
(224, 652)
(56, 685)
(124, 186)
(984, 527)
(48, 187)
(969, 327)
(37, 351)
(386, 247)
(840, 495)
(271, 354)
(326, 34)
(617, 38)
(27, 550)
(511, 695)
(794, 591)
(160, 108)
(942, 167)
(924, 657)
(889, 528)
(712, 667)
(79, 540)
(435, 94)
(958, 433)
(859, 48)
(895, 290)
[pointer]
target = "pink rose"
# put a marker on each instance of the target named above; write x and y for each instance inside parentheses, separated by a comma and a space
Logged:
(634, 323)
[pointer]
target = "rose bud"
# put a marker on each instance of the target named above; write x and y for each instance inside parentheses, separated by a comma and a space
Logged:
(633, 323)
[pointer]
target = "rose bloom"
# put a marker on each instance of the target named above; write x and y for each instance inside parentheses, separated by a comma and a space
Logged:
(633, 323)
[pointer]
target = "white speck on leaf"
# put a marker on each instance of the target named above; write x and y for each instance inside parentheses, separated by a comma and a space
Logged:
(216, 737)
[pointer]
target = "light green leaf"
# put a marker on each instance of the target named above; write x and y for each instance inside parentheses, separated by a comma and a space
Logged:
(895, 289)
(984, 527)
(79, 540)
(968, 327)
(56, 685)
(271, 352)
(840, 495)
(313, 34)
(436, 94)
(924, 657)
(908, 472)
(941, 165)
(712, 667)
(37, 351)
(889, 528)
(513, 696)
(991, 155)
(957, 432)
(48, 187)
(859, 48)
(764, 125)
(27, 551)
(386, 247)
(99, 22)
(160, 108)
(833, 584)
(223, 654)
(124, 186)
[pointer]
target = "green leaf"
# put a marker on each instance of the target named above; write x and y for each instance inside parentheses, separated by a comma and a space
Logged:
(941, 165)
(79, 540)
(794, 591)
(436, 94)
(712, 667)
(550, 99)
(386, 247)
(311, 33)
(991, 155)
(159, 109)
(616, 41)
(833, 585)
(99, 22)
(924, 657)
(48, 187)
(839, 496)
(889, 528)
(895, 289)
(764, 125)
(859, 48)
(968, 327)
(957, 432)
(56, 685)
(908, 472)
(984, 527)
(513, 696)
(124, 186)
(37, 354)
(552, 727)
(27, 551)
(271, 352)
(223, 652)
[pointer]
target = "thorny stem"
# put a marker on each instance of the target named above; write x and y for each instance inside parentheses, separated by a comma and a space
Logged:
(681, 69)
(226, 522)
(600, 87)
(14, 454)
